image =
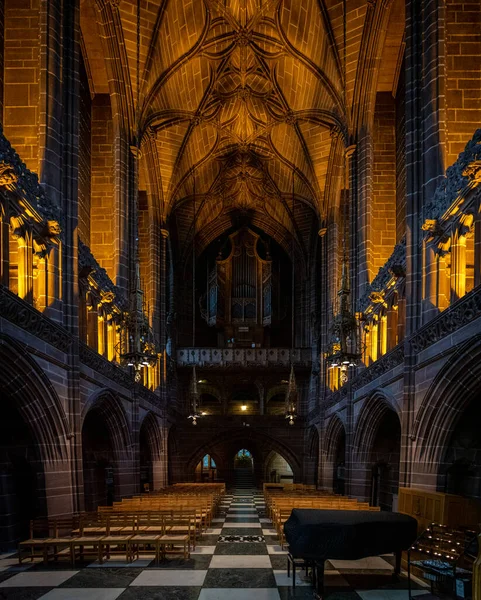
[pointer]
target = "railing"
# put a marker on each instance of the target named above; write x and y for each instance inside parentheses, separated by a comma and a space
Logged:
(249, 357)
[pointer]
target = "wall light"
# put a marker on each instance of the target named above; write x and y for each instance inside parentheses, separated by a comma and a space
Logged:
(244, 407)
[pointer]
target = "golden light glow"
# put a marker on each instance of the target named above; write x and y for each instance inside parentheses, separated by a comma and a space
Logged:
(244, 407)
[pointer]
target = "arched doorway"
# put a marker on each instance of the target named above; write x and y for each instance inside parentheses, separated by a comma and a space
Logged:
(206, 469)
(98, 462)
(277, 469)
(243, 469)
(460, 470)
(22, 487)
(339, 464)
(146, 462)
(385, 457)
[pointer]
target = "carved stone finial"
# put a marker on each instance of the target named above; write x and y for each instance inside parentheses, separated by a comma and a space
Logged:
(8, 177)
(473, 171)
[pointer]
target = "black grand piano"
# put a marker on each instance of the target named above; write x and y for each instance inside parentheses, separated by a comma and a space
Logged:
(319, 535)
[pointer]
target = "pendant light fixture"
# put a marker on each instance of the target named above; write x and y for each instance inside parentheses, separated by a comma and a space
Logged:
(343, 352)
(292, 394)
(138, 343)
(194, 392)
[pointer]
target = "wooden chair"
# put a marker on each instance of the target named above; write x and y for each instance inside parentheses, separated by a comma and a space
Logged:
(149, 529)
(87, 544)
(120, 530)
(176, 539)
(41, 530)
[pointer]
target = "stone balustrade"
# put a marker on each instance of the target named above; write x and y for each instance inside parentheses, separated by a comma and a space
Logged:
(243, 357)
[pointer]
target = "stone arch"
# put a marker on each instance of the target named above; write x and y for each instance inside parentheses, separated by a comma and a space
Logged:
(22, 379)
(151, 463)
(374, 467)
(238, 439)
(335, 433)
(447, 397)
(108, 405)
(374, 409)
(153, 433)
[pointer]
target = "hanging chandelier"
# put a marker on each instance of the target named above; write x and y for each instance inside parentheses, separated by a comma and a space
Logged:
(292, 395)
(194, 399)
(138, 348)
(291, 398)
(343, 352)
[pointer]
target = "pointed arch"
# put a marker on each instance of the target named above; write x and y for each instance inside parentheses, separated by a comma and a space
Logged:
(449, 394)
(152, 430)
(374, 409)
(110, 408)
(23, 381)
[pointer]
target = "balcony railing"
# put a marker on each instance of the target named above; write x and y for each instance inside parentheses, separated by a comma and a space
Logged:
(247, 357)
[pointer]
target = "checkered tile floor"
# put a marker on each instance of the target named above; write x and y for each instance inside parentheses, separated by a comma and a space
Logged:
(237, 559)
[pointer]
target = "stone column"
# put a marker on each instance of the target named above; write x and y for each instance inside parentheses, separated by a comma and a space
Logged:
(41, 289)
(477, 251)
(4, 249)
(443, 283)
(430, 282)
(162, 301)
(54, 284)
(392, 326)
(458, 267)
(25, 267)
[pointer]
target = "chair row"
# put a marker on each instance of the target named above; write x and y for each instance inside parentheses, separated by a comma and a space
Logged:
(83, 537)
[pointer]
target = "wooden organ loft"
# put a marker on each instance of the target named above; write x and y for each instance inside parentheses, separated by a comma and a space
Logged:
(240, 288)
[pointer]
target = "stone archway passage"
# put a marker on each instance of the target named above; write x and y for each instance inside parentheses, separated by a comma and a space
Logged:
(277, 469)
(22, 482)
(98, 462)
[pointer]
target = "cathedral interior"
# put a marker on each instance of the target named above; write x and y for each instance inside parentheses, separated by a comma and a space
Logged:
(240, 266)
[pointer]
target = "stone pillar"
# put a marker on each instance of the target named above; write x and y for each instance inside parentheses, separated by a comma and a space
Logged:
(4, 250)
(458, 267)
(41, 288)
(162, 302)
(429, 283)
(54, 284)
(92, 324)
(477, 252)
(383, 335)
(443, 282)
(25, 267)
(374, 340)
(392, 326)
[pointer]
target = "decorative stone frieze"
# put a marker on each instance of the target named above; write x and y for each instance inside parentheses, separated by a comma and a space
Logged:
(453, 318)
(16, 178)
(101, 365)
(89, 267)
(20, 313)
(249, 357)
(387, 362)
(395, 266)
(461, 178)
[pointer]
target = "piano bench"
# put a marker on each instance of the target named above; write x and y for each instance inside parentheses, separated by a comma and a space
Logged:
(303, 563)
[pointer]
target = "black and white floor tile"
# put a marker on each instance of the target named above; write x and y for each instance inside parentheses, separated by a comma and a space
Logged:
(237, 559)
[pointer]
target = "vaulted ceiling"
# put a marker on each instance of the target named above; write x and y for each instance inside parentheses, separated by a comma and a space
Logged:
(245, 98)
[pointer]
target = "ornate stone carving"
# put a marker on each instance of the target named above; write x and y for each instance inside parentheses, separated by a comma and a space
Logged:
(387, 362)
(463, 312)
(8, 177)
(25, 183)
(396, 263)
(18, 312)
(463, 175)
(101, 365)
(89, 266)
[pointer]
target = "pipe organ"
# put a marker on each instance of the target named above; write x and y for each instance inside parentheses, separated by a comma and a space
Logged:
(239, 292)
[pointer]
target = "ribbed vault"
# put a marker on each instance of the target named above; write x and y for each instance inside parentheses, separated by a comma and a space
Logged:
(242, 101)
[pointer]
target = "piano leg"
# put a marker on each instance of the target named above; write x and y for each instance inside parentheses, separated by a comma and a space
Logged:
(397, 568)
(319, 566)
